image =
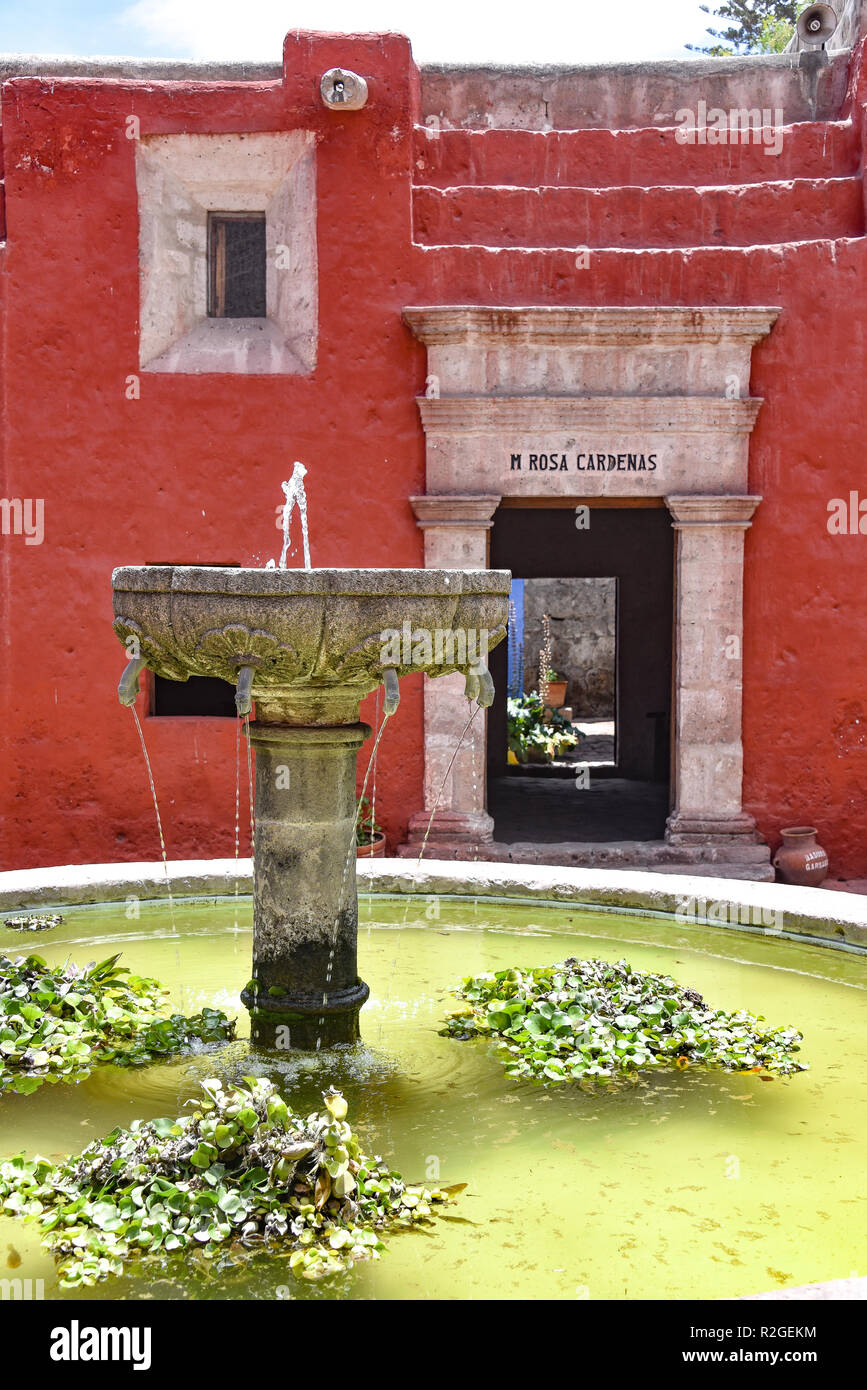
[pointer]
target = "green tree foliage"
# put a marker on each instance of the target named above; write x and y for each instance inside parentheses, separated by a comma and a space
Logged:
(753, 26)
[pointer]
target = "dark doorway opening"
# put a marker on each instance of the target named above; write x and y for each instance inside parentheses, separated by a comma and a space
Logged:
(626, 798)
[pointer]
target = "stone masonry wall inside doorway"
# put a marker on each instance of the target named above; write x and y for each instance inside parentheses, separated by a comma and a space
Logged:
(582, 614)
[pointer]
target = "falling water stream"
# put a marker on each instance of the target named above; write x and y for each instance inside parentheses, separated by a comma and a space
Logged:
(156, 810)
(237, 808)
(372, 763)
(242, 724)
(409, 900)
(458, 746)
(250, 781)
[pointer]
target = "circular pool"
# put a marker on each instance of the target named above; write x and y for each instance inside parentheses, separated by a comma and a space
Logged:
(685, 1184)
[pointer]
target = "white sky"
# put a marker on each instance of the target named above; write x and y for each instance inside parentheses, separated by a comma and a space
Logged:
(501, 31)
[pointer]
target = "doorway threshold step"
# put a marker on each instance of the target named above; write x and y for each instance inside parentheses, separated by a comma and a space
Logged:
(750, 861)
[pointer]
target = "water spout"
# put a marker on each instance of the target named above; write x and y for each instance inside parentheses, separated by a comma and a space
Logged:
(479, 686)
(392, 692)
(127, 690)
(485, 697)
(243, 695)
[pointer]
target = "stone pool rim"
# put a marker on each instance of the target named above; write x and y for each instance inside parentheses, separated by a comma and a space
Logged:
(812, 916)
(815, 916)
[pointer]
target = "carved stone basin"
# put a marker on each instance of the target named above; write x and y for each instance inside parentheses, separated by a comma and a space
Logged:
(319, 640)
(313, 643)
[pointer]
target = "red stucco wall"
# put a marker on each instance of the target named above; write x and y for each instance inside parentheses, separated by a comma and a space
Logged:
(191, 471)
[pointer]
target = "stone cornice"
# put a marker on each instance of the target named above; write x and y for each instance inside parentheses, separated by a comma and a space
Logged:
(480, 415)
(707, 510)
(456, 509)
(588, 326)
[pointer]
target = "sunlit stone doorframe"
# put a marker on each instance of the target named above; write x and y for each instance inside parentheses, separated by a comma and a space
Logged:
(456, 536)
(629, 378)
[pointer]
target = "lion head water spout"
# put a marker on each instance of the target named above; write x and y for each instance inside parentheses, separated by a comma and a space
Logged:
(307, 646)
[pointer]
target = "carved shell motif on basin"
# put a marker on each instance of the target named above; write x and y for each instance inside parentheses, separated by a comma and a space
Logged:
(318, 640)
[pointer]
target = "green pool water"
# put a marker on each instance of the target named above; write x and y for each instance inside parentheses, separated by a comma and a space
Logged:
(688, 1185)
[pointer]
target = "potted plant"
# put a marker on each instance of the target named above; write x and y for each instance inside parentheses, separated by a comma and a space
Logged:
(531, 738)
(556, 687)
(369, 837)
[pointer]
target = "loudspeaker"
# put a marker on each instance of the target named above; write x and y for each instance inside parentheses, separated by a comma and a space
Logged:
(816, 24)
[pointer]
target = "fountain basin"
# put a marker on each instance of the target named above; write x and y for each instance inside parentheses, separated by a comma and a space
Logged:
(317, 639)
(638, 1196)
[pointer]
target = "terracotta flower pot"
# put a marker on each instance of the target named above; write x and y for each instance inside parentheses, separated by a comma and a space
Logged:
(799, 859)
(373, 849)
(556, 694)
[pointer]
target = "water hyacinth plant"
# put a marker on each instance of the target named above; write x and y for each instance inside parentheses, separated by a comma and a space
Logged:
(241, 1169)
(593, 1020)
(39, 921)
(59, 1022)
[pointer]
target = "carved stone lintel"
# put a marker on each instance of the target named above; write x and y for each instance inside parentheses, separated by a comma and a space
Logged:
(591, 327)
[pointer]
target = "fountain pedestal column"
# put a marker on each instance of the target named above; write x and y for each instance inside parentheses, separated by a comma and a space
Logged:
(306, 991)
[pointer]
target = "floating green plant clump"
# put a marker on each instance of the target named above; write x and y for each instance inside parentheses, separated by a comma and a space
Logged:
(242, 1168)
(591, 1019)
(39, 921)
(58, 1023)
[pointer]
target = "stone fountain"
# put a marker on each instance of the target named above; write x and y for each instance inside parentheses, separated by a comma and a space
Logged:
(307, 646)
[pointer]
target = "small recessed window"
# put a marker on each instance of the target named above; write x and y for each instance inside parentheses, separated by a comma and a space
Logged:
(200, 696)
(236, 265)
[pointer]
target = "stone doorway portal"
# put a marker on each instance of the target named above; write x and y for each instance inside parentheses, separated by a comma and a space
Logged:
(601, 407)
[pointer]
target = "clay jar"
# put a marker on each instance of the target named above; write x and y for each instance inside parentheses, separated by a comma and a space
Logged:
(799, 859)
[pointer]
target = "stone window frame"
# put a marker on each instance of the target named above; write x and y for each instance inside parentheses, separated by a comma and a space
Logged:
(180, 179)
